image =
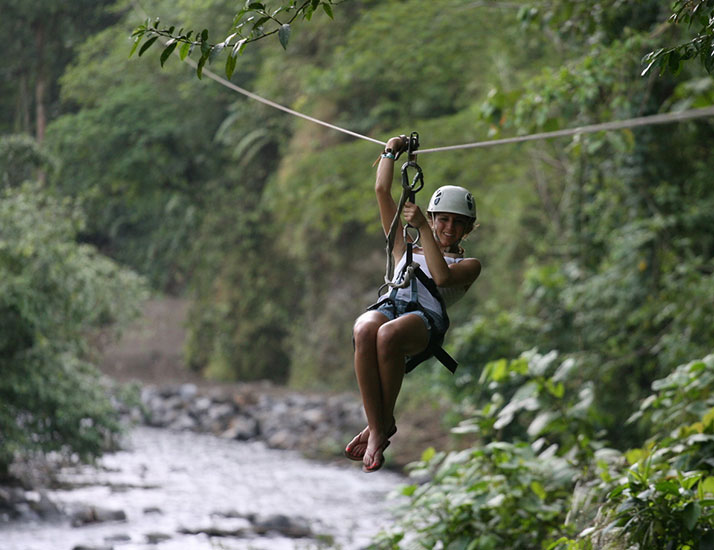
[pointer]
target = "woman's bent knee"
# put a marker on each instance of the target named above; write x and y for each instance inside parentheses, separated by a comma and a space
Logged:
(404, 338)
(366, 328)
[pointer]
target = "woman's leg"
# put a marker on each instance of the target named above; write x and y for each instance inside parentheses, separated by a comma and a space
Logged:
(367, 369)
(406, 335)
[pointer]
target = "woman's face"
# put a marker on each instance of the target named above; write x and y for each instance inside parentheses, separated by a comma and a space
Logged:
(450, 228)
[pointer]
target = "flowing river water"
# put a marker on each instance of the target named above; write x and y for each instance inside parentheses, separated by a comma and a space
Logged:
(169, 483)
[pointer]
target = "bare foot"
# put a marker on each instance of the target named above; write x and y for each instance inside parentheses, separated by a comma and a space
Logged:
(358, 446)
(374, 455)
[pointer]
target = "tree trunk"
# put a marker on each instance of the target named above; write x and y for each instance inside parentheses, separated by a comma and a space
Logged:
(22, 110)
(40, 84)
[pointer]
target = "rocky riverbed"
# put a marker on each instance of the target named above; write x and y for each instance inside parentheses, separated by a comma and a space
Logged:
(218, 467)
(316, 425)
(186, 490)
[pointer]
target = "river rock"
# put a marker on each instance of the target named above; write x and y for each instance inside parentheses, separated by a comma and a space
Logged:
(16, 502)
(85, 514)
(241, 427)
(315, 417)
(283, 439)
(215, 531)
(295, 527)
(283, 420)
(187, 392)
(183, 422)
(43, 506)
(156, 538)
(120, 537)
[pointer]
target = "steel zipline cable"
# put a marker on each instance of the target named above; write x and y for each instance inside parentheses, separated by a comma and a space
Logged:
(256, 97)
(662, 118)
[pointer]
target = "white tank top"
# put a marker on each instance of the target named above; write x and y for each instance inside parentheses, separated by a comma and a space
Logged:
(450, 294)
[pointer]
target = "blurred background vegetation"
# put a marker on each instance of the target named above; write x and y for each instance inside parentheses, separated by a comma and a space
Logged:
(120, 178)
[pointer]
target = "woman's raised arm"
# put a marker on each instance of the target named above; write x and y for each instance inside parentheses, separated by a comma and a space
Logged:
(383, 190)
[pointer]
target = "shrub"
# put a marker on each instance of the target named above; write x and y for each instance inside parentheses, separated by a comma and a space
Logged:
(53, 292)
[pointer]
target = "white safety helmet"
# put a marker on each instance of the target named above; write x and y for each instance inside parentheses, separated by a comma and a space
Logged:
(454, 200)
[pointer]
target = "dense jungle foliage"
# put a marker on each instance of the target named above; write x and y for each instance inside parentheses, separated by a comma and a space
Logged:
(583, 398)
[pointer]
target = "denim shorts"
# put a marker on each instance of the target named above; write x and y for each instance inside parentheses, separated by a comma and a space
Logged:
(392, 309)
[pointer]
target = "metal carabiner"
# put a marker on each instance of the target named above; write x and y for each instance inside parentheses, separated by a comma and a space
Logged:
(415, 186)
(412, 146)
(417, 182)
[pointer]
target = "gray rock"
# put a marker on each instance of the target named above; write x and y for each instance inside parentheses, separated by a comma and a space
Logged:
(92, 547)
(86, 514)
(121, 537)
(315, 417)
(296, 527)
(183, 422)
(156, 538)
(43, 506)
(201, 405)
(242, 428)
(221, 411)
(187, 391)
(282, 439)
(214, 531)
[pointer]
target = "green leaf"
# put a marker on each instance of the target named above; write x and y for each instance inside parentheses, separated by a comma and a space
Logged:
(428, 454)
(168, 50)
(230, 65)
(256, 6)
(692, 511)
(284, 35)
(538, 489)
(201, 63)
(673, 62)
(184, 50)
(707, 485)
(328, 10)
(554, 545)
(205, 47)
(667, 486)
(408, 490)
(215, 51)
(239, 47)
(651, 58)
(238, 17)
(634, 455)
(147, 45)
(260, 21)
(136, 44)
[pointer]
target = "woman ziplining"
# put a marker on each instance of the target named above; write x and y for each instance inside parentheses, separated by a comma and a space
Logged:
(407, 325)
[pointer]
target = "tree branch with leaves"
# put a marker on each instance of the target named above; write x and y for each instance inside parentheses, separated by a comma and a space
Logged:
(698, 15)
(257, 20)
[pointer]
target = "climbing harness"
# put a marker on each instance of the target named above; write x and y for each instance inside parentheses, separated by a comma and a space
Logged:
(412, 272)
